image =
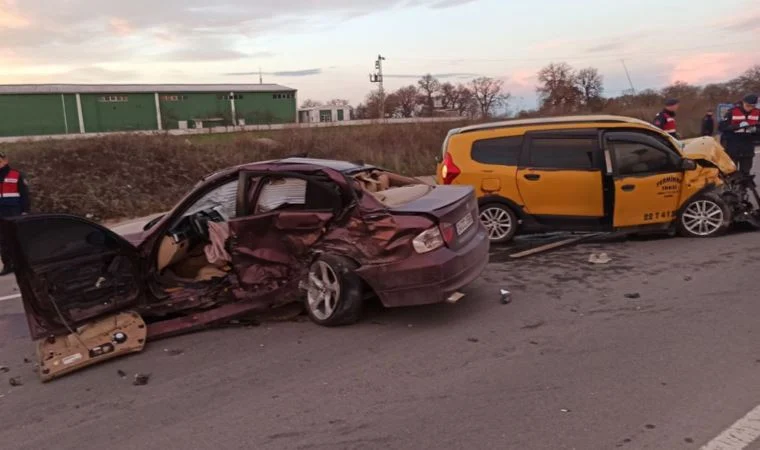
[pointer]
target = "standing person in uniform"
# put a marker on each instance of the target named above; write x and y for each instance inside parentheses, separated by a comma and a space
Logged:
(708, 124)
(14, 201)
(723, 142)
(740, 127)
(666, 119)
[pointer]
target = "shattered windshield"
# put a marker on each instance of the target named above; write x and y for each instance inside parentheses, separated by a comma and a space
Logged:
(223, 199)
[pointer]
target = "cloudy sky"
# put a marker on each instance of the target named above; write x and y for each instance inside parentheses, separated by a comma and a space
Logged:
(326, 48)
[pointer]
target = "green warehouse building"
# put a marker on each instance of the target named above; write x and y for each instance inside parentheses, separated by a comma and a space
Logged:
(29, 110)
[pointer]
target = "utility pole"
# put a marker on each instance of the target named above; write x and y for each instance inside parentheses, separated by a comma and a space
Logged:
(377, 77)
(633, 90)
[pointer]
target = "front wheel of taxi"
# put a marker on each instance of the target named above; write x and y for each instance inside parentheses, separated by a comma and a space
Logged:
(704, 216)
(500, 222)
(334, 294)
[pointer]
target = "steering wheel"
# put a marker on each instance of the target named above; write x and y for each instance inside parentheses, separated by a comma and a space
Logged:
(199, 222)
(199, 225)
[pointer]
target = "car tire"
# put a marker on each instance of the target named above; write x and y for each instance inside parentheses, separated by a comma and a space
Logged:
(500, 222)
(334, 294)
(704, 216)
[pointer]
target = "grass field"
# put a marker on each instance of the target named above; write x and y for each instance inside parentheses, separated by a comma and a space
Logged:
(129, 176)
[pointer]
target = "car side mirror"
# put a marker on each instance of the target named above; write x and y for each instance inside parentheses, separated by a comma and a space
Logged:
(688, 164)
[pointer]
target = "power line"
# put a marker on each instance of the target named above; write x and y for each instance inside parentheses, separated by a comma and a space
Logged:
(611, 56)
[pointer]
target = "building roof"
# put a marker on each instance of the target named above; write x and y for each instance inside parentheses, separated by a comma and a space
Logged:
(324, 107)
(136, 88)
(553, 121)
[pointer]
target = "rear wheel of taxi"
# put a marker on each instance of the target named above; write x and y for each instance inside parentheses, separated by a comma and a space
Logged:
(704, 216)
(500, 222)
(334, 294)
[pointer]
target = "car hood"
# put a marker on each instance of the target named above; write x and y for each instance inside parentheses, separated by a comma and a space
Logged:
(708, 149)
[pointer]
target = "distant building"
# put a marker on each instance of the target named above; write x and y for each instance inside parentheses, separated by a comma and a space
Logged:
(324, 114)
(77, 108)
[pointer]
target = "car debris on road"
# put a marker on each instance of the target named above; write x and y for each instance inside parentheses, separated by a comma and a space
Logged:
(141, 379)
(601, 258)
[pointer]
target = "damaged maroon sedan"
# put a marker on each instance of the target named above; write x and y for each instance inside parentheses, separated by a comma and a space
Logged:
(245, 239)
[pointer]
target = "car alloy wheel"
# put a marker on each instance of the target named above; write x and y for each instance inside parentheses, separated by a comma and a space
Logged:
(499, 222)
(323, 291)
(703, 217)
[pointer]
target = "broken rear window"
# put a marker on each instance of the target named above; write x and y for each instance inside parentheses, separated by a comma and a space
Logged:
(279, 192)
(293, 193)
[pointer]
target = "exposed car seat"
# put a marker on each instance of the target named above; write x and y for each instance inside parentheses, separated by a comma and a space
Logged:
(402, 195)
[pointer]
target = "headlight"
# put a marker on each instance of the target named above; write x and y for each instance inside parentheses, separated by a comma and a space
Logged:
(428, 241)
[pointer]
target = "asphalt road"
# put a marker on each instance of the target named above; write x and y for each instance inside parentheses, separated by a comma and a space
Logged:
(571, 363)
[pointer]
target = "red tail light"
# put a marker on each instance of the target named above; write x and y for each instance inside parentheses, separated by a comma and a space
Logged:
(449, 170)
(448, 233)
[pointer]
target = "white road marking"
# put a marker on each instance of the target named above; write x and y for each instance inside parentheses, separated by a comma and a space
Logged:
(10, 297)
(739, 435)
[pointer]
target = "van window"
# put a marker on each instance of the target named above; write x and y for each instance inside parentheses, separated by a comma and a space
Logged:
(632, 158)
(564, 153)
(641, 153)
(503, 151)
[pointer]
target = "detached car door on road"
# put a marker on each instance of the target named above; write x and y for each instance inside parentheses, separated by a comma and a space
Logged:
(647, 177)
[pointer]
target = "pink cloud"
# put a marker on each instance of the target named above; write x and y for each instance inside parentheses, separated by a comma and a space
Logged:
(709, 67)
(10, 17)
(523, 79)
(120, 26)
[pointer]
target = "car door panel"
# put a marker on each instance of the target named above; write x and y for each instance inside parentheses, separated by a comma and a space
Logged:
(70, 271)
(561, 192)
(267, 250)
(561, 174)
(646, 200)
(279, 224)
(647, 177)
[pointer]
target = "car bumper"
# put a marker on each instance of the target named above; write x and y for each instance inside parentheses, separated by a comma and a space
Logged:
(431, 277)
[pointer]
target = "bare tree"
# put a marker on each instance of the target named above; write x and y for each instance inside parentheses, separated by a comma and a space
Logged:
(309, 103)
(361, 111)
(681, 90)
(465, 104)
(591, 85)
(407, 98)
(748, 82)
(488, 93)
(373, 103)
(449, 96)
(428, 87)
(716, 93)
(558, 90)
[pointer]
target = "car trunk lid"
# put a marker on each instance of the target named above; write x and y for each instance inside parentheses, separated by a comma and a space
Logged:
(454, 207)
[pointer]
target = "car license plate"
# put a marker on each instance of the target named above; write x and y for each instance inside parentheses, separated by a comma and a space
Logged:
(464, 224)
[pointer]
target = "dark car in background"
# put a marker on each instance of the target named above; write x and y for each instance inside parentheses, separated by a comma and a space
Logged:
(245, 239)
